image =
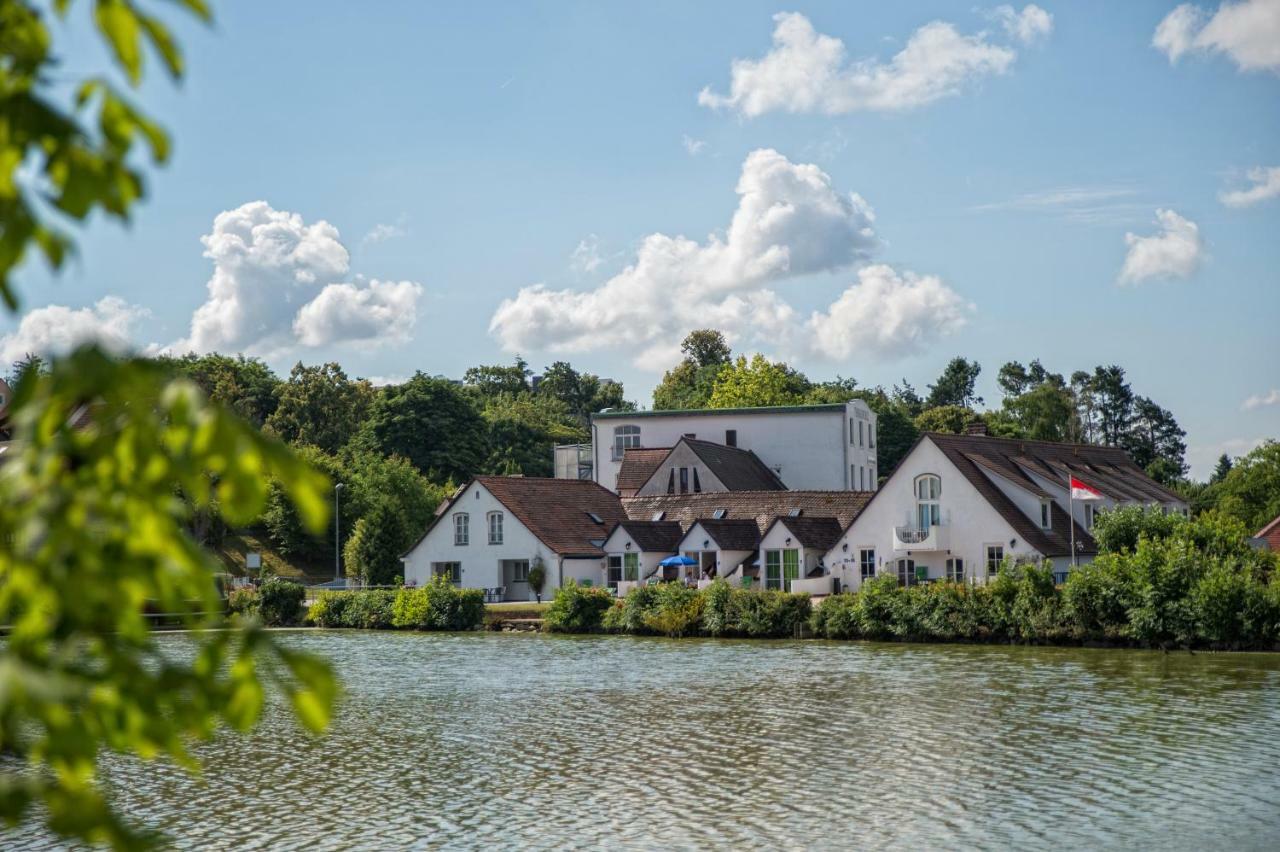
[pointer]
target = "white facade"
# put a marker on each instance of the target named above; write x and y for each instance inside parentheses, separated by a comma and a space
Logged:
(780, 540)
(698, 477)
(481, 561)
(626, 562)
(699, 544)
(817, 447)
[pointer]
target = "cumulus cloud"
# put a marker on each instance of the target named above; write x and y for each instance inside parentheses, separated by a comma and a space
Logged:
(382, 232)
(806, 71)
(1260, 400)
(887, 315)
(586, 257)
(383, 311)
(693, 147)
(1266, 185)
(1174, 252)
(271, 288)
(56, 329)
(789, 222)
(1027, 26)
(1247, 32)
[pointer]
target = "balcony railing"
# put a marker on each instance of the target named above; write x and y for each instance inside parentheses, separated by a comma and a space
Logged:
(909, 535)
(920, 538)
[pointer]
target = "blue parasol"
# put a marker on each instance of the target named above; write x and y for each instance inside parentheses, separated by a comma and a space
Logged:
(677, 562)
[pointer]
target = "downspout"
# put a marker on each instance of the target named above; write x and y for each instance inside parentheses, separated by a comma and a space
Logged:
(844, 427)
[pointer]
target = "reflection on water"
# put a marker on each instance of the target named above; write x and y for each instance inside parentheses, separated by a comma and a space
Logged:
(483, 740)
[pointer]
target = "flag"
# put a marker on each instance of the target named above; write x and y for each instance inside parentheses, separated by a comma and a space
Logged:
(1080, 491)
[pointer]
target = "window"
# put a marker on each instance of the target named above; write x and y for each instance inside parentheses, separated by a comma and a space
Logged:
(867, 563)
(495, 528)
(871, 436)
(671, 481)
(790, 567)
(1046, 514)
(780, 568)
(995, 556)
(718, 513)
(928, 510)
(731, 437)
(1088, 516)
(625, 438)
(631, 567)
(684, 480)
(853, 476)
(862, 437)
(659, 515)
(450, 570)
(851, 431)
(697, 486)
(614, 571)
(520, 570)
(595, 519)
(461, 529)
(955, 570)
(906, 572)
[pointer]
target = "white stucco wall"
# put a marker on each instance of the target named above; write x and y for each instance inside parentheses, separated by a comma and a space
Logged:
(681, 456)
(810, 450)
(970, 521)
(726, 561)
(481, 561)
(616, 545)
(776, 539)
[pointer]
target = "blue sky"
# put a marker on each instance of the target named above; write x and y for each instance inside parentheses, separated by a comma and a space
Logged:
(463, 154)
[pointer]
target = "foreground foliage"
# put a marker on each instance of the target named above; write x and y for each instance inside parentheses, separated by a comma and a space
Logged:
(93, 534)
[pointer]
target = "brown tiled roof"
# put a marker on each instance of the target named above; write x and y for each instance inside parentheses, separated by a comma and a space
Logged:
(638, 464)
(1109, 469)
(760, 506)
(732, 533)
(817, 533)
(1271, 534)
(653, 536)
(556, 511)
(739, 470)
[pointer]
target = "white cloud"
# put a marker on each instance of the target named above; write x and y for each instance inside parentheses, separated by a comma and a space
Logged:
(1202, 458)
(269, 266)
(1258, 400)
(789, 222)
(887, 315)
(384, 311)
(806, 71)
(57, 329)
(1174, 252)
(1247, 32)
(1027, 26)
(586, 257)
(1266, 185)
(382, 232)
(1088, 205)
(693, 147)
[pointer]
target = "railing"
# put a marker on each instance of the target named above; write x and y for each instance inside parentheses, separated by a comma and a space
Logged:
(912, 535)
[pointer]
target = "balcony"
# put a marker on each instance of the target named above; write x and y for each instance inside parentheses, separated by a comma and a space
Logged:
(920, 539)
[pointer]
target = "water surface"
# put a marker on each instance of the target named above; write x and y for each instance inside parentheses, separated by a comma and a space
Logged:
(492, 740)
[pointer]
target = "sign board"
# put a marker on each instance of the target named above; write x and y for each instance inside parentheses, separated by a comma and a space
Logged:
(253, 560)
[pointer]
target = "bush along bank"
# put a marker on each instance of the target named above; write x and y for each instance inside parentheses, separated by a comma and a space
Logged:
(1180, 584)
(438, 605)
(673, 609)
(276, 603)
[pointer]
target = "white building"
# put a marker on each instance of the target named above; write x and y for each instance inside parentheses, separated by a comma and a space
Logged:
(494, 529)
(807, 447)
(959, 505)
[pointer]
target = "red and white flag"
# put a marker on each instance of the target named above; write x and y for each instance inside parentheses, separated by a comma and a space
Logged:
(1080, 491)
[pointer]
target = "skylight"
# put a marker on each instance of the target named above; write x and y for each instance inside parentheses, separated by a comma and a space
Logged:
(593, 516)
(795, 513)
(718, 513)
(659, 515)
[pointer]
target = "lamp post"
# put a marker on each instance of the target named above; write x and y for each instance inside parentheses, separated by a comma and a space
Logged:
(337, 534)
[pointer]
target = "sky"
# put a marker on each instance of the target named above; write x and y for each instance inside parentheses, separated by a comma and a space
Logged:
(863, 189)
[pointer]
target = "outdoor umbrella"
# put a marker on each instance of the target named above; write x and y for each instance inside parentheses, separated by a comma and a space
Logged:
(677, 562)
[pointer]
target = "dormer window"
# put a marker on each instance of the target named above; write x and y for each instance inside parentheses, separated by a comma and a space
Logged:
(1046, 515)
(928, 509)
(625, 438)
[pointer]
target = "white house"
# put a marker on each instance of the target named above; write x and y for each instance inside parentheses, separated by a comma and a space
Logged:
(634, 549)
(494, 529)
(808, 447)
(792, 554)
(720, 546)
(959, 505)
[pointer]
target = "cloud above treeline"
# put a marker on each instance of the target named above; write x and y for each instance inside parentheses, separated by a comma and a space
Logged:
(1265, 186)
(1175, 251)
(56, 329)
(806, 71)
(790, 222)
(1248, 33)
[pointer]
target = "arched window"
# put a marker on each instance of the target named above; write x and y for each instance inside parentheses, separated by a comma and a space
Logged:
(624, 438)
(461, 528)
(928, 510)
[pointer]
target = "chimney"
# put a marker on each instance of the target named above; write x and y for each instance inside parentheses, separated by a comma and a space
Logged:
(976, 427)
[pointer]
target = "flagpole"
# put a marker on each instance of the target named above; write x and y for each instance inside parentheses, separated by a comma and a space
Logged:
(1071, 517)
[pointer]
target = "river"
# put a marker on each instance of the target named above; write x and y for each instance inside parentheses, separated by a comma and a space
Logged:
(494, 740)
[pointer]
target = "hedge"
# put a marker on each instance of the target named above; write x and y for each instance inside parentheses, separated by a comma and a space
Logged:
(435, 606)
(277, 602)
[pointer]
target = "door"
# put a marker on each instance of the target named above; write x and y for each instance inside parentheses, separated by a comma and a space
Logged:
(614, 574)
(773, 569)
(790, 567)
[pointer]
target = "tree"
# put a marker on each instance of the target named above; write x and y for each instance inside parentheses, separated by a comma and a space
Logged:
(431, 422)
(950, 419)
(1045, 412)
(906, 397)
(492, 380)
(523, 430)
(90, 534)
(245, 385)
(1112, 404)
(896, 432)
(1221, 469)
(582, 394)
(690, 383)
(373, 552)
(320, 406)
(1155, 441)
(1015, 379)
(757, 382)
(29, 363)
(1251, 491)
(956, 385)
(838, 390)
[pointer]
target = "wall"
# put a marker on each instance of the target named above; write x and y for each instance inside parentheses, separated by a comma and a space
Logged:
(481, 561)
(616, 545)
(810, 450)
(726, 560)
(776, 539)
(681, 456)
(971, 522)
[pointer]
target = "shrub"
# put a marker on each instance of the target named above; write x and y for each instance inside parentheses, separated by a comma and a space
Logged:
(718, 613)
(877, 602)
(836, 617)
(280, 602)
(243, 601)
(676, 610)
(1121, 528)
(329, 609)
(369, 609)
(1096, 599)
(577, 609)
(769, 613)
(628, 614)
(438, 605)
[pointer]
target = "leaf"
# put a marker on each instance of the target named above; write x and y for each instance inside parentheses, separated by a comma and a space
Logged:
(162, 40)
(119, 24)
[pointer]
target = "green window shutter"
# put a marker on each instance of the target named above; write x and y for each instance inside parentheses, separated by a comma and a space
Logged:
(631, 567)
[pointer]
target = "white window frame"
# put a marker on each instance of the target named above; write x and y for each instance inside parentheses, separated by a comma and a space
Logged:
(1089, 515)
(905, 569)
(519, 570)
(933, 500)
(461, 529)
(454, 569)
(1046, 515)
(625, 437)
(955, 569)
(866, 559)
(494, 527)
(988, 561)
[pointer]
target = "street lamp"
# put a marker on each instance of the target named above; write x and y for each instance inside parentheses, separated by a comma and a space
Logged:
(337, 534)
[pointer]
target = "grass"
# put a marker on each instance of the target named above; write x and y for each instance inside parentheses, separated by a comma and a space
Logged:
(512, 610)
(240, 542)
